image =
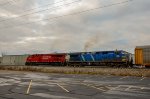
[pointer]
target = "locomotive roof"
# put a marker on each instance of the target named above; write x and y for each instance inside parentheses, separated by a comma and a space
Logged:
(99, 51)
(146, 46)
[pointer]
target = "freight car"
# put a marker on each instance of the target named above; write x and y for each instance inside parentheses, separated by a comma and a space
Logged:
(142, 56)
(101, 58)
(46, 59)
(17, 60)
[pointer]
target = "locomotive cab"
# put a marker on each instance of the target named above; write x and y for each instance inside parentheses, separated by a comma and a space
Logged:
(128, 58)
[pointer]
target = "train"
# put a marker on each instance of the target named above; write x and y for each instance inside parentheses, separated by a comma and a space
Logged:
(114, 58)
(100, 58)
(117, 58)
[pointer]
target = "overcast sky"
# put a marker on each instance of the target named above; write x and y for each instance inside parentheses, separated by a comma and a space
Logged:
(24, 30)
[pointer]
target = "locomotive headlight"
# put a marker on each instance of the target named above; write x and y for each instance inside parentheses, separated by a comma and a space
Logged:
(124, 59)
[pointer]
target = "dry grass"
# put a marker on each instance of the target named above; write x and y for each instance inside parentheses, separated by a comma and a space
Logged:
(77, 70)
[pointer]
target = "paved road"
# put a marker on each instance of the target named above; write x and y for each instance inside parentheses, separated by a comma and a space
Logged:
(16, 85)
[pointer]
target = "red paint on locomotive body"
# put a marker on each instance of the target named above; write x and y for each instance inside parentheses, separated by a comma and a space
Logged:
(42, 58)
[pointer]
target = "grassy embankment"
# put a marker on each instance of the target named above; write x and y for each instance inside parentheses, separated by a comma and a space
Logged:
(77, 70)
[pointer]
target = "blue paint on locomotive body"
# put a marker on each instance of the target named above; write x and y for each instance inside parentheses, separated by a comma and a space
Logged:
(87, 57)
(102, 56)
(75, 57)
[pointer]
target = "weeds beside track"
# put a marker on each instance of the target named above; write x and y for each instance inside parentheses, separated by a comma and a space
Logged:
(81, 70)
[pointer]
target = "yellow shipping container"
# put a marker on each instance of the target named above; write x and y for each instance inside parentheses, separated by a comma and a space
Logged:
(142, 55)
(138, 56)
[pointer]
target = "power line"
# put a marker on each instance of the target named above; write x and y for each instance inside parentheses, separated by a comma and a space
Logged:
(35, 7)
(76, 13)
(40, 10)
(46, 5)
(2, 4)
(6, 3)
(80, 12)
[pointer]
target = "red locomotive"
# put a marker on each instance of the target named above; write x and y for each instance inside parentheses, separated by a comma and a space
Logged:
(46, 59)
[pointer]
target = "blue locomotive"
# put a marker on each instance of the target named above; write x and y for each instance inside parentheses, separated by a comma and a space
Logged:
(101, 58)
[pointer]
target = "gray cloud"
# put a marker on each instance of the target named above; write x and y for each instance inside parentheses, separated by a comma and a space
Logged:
(118, 27)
